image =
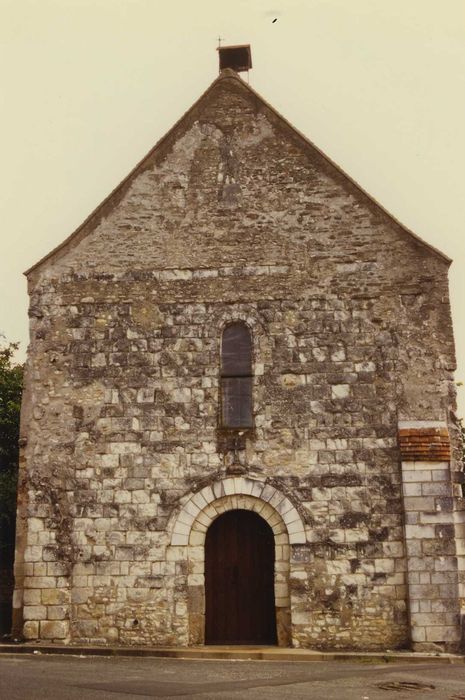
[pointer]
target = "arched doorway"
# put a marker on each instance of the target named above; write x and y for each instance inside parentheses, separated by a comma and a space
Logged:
(239, 580)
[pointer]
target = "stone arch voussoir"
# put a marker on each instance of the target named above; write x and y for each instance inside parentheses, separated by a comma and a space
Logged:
(200, 508)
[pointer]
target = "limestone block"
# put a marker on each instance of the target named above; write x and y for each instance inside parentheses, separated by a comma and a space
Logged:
(419, 503)
(337, 567)
(257, 489)
(436, 488)
(140, 496)
(440, 475)
(40, 582)
(57, 568)
(32, 597)
(192, 508)
(33, 553)
(275, 522)
(31, 630)
(124, 448)
(420, 532)
(442, 633)
(57, 629)
(281, 590)
(196, 538)
(122, 496)
(147, 510)
(424, 466)
(412, 489)
(40, 568)
(297, 537)
(146, 395)
(99, 360)
(228, 486)
(54, 596)
(208, 494)
(204, 520)
(418, 634)
(199, 500)
(181, 395)
(356, 535)
(176, 553)
(234, 501)
(265, 510)
(35, 612)
(268, 493)
(208, 514)
(424, 591)
(282, 553)
(57, 612)
(35, 524)
(290, 517)
(290, 381)
(385, 566)
(218, 489)
(419, 475)
(436, 517)
(139, 595)
(445, 605)
(393, 549)
(198, 460)
(276, 500)
(277, 525)
(196, 553)
(340, 391)
(239, 485)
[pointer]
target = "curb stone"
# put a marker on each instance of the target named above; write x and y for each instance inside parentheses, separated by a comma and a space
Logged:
(238, 653)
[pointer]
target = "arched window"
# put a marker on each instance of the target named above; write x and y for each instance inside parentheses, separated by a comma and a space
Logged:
(236, 377)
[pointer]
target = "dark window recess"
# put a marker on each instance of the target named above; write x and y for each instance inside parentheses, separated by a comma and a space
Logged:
(236, 377)
(236, 351)
(237, 402)
(239, 58)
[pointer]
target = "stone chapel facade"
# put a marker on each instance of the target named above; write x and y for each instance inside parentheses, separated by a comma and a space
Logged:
(240, 346)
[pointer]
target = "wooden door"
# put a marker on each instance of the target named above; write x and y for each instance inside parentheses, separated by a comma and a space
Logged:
(239, 580)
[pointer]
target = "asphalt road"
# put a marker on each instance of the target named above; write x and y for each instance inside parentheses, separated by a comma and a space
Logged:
(43, 677)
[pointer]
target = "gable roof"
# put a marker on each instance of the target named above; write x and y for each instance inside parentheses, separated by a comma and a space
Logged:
(164, 144)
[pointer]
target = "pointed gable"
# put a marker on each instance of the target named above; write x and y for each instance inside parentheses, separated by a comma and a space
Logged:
(229, 125)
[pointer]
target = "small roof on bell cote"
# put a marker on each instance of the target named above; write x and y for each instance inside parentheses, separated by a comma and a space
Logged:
(239, 57)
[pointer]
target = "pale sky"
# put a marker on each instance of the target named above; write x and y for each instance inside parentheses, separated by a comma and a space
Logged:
(89, 86)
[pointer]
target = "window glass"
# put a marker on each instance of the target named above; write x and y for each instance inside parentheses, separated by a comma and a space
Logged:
(236, 377)
(236, 351)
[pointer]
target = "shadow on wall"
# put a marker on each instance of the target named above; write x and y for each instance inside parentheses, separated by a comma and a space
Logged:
(6, 596)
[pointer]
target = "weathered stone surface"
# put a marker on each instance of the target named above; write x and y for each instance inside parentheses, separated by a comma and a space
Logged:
(351, 330)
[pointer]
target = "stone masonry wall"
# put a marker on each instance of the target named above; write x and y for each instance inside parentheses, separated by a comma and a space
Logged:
(433, 508)
(231, 218)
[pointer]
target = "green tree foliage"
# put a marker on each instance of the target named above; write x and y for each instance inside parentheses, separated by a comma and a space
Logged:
(11, 383)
